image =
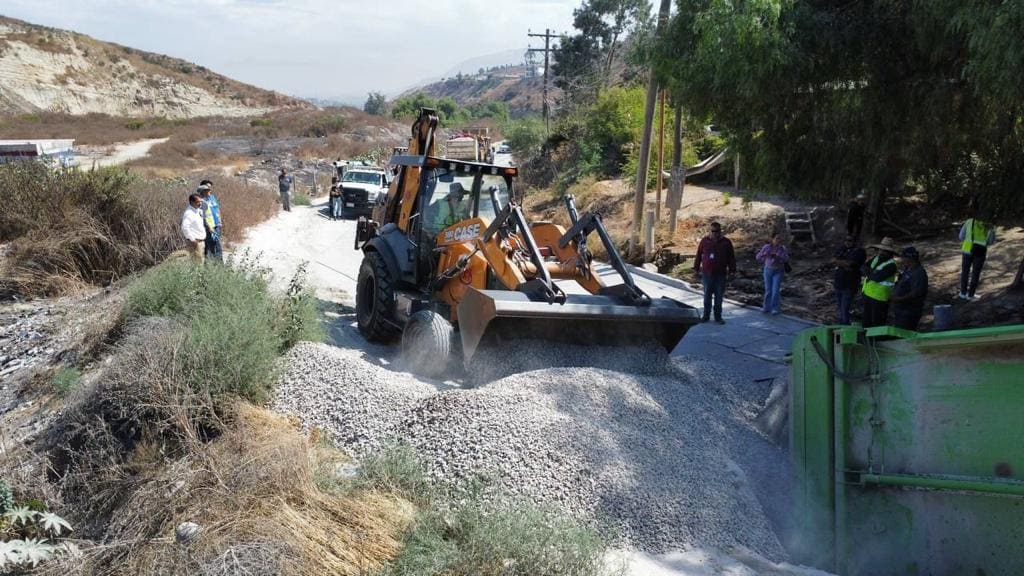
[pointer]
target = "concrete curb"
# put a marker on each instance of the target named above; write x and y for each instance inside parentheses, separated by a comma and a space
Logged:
(683, 285)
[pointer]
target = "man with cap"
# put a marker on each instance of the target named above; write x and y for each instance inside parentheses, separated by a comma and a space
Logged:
(910, 291)
(879, 279)
(284, 186)
(212, 221)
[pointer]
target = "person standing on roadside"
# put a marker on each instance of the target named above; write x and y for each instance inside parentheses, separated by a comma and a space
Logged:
(976, 236)
(193, 228)
(284, 185)
(880, 277)
(211, 218)
(774, 255)
(334, 199)
(715, 261)
(848, 260)
(855, 215)
(910, 291)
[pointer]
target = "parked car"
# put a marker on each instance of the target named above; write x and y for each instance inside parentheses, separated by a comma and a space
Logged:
(362, 188)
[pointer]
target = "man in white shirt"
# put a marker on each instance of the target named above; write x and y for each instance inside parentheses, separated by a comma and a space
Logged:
(192, 227)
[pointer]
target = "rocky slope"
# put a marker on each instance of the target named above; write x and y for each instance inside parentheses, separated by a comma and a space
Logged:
(523, 93)
(45, 69)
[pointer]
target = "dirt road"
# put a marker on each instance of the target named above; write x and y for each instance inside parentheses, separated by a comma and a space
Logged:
(333, 396)
(116, 154)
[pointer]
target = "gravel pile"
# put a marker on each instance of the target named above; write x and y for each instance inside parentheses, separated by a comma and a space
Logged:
(644, 447)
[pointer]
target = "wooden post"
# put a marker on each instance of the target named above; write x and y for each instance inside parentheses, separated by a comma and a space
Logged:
(649, 235)
(661, 158)
(736, 171)
(645, 140)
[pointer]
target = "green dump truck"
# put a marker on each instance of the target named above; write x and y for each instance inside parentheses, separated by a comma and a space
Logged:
(909, 450)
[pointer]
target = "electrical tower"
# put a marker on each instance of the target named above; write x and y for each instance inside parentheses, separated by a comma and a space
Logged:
(547, 36)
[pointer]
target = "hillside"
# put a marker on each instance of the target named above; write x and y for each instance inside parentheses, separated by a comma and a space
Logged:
(46, 69)
(511, 84)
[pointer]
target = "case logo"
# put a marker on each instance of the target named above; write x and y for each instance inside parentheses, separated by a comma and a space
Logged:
(462, 233)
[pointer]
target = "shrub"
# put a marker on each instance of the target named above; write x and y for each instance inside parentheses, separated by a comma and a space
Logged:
(69, 228)
(66, 379)
(301, 200)
(396, 469)
(234, 329)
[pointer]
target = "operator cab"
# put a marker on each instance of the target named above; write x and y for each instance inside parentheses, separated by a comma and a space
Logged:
(452, 196)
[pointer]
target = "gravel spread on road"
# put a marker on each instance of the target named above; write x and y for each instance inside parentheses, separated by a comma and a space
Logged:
(642, 443)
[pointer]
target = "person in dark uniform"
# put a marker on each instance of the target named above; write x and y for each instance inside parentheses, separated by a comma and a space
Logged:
(855, 216)
(910, 291)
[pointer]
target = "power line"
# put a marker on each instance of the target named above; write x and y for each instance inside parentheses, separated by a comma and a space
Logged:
(547, 36)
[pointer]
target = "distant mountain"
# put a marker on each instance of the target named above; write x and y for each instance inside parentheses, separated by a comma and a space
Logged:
(521, 88)
(46, 69)
(471, 66)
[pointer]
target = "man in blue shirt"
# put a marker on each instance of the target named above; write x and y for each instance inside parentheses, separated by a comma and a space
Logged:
(212, 221)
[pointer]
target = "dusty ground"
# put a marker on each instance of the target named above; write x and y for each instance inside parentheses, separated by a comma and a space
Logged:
(807, 291)
(121, 153)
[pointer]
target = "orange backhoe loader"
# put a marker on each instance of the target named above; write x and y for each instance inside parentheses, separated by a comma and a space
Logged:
(451, 255)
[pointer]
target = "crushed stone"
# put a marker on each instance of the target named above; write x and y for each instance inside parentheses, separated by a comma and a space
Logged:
(642, 443)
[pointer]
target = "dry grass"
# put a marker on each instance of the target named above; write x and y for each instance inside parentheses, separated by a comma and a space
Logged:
(141, 451)
(73, 228)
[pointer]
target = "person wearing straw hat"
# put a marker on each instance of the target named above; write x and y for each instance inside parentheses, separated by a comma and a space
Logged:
(879, 279)
(910, 291)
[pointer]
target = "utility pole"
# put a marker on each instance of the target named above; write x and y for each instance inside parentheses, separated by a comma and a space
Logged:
(547, 36)
(645, 142)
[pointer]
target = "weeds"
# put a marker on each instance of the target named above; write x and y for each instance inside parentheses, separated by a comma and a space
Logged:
(66, 379)
(301, 200)
(726, 198)
(476, 532)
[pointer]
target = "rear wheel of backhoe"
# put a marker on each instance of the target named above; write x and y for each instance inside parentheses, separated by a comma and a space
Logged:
(427, 343)
(375, 299)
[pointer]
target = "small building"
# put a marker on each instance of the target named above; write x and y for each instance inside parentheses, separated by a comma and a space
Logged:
(59, 152)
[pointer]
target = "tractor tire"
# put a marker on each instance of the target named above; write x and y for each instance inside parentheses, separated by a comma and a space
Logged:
(375, 300)
(427, 343)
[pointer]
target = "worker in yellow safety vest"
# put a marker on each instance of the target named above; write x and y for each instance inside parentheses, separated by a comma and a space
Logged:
(879, 278)
(976, 236)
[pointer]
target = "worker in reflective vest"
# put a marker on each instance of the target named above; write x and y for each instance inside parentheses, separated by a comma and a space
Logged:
(879, 278)
(977, 236)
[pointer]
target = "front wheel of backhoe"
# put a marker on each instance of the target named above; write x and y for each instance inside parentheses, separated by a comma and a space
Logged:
(375, 299)
(427, 343)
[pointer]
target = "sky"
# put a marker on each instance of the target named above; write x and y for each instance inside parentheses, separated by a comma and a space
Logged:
(310, 48)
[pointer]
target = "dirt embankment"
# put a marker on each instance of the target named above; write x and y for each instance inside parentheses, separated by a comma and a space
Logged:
(808, 291)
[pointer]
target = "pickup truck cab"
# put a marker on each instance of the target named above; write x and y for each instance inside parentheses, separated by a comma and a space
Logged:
(362, 188)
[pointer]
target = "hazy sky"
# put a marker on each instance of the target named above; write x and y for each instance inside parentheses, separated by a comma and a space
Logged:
(311, 48)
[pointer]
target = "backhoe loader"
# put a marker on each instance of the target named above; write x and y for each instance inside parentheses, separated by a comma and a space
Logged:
(451, 255)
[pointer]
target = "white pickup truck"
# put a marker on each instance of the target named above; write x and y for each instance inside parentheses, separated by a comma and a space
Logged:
(362, 188)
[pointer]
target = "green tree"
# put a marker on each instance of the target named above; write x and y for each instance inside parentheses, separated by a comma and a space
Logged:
(376, 104)
(825, 99)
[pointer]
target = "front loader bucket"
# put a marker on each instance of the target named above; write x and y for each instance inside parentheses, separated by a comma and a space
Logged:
(496, 316)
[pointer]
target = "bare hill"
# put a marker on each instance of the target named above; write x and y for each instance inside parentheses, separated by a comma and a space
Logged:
(46, 69)
(512, 84)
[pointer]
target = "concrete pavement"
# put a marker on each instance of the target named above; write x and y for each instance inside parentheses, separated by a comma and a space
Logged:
(751, 342)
